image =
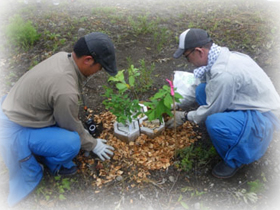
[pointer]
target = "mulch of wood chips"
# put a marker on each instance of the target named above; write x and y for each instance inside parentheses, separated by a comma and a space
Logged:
(135, 160)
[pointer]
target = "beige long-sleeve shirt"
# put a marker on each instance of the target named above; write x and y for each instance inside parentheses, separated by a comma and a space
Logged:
(49, 94)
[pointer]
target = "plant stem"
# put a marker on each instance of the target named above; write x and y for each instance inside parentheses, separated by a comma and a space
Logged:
(174, 112)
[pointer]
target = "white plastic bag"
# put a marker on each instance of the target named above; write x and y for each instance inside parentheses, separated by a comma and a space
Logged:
(184, 82)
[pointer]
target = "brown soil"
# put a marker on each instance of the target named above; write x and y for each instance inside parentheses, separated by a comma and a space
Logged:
(235, 24)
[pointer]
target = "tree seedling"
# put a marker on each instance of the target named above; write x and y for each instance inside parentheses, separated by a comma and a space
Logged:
(161, 103)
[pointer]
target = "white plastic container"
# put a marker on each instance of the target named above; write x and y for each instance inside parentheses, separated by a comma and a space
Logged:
(129, 132)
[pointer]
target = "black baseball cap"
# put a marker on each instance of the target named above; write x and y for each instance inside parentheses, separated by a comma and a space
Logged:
(191, 38)
(102, 50)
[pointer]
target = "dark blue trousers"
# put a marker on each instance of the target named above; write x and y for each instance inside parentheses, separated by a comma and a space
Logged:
(19, 145)
(240, 137)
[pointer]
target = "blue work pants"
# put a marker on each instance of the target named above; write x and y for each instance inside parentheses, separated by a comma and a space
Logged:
(239, 136)
(19, 145)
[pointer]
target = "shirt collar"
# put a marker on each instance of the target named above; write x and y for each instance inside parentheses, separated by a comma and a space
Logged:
(81, 77)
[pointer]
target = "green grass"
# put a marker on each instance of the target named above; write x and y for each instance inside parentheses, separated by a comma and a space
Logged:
(21, 33)
(195, 155)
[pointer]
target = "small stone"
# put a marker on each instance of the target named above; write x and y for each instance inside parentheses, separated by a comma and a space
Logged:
(81, 32)
(55, 2)
(119, 178)
(171, 179)
(266, 163)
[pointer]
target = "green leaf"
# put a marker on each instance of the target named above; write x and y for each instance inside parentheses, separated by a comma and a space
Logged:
(180, 198)
(255, 186)
(158, 95)
(184, 205)
(151, 114)
(131, 80)
(133, 71)
(187, 189)
(263, 176)
(61, 190)
(160, 109)
(118, 78)
(168, 100)
(121, 86)
(178, 95)
(61, 197)
(66, 183)
(165, 87)
(147, 103)
(169, 112)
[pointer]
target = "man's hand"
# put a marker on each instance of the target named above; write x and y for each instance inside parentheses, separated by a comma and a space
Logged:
(179, 119)
(103, 150)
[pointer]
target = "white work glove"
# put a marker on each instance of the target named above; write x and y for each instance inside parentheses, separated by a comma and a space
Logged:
(180, 118)
(103, 150)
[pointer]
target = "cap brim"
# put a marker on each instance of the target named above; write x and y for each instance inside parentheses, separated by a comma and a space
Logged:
(178, 53)
(110, 68)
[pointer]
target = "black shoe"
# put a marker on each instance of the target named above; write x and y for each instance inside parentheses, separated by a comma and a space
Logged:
(66, 171)
(223, 171)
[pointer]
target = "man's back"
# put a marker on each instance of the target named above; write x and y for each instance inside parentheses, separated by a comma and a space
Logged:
(31, 101)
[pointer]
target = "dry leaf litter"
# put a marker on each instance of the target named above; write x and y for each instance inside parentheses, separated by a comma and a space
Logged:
(133, 161)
